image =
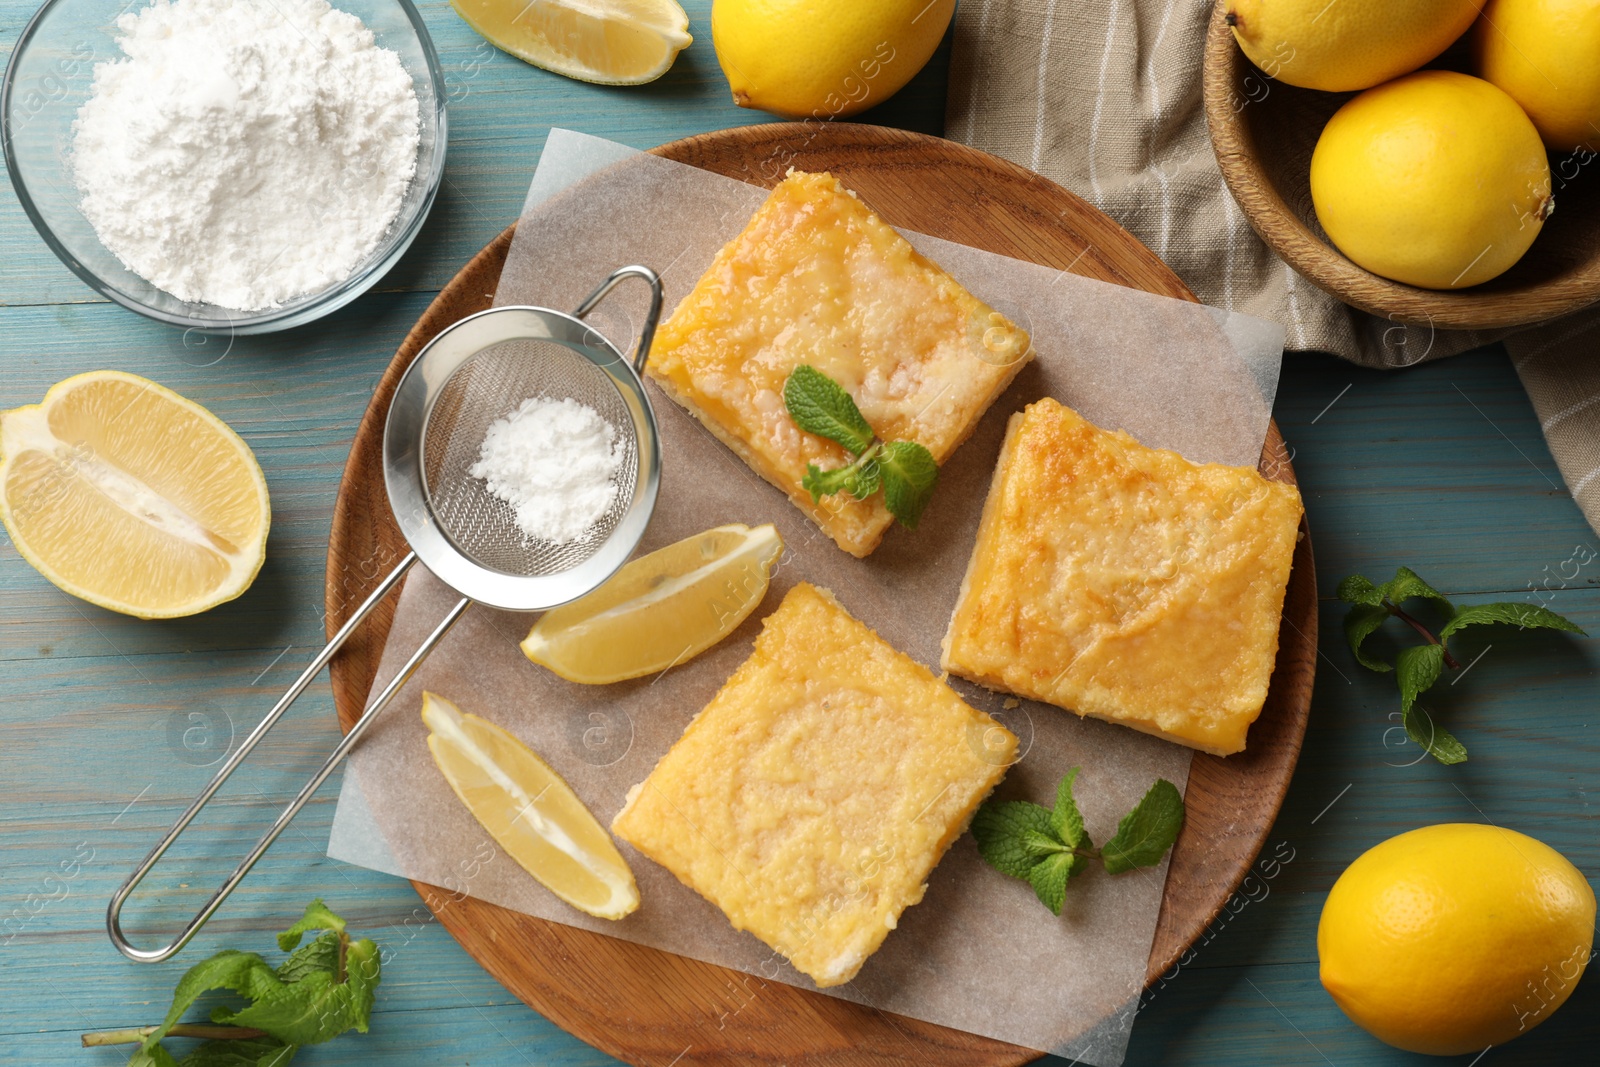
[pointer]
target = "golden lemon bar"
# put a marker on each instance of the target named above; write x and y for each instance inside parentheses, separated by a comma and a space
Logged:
(1126, 582)
(817, 278)
(814, 794)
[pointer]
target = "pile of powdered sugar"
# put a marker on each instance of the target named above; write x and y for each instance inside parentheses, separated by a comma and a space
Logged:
(245, 152)
(555, 462)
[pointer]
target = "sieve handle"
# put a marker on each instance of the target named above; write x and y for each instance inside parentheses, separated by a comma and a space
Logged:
(646, 335)
(114, 911)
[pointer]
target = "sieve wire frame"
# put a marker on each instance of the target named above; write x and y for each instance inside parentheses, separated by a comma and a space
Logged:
(406, 481)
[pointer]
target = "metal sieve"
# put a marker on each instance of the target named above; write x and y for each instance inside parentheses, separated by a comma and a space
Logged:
(476, 371)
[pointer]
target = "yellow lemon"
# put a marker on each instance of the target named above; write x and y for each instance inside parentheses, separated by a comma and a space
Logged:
(824, 58)
(129, 496)
(611, 42)
(1546, 54)
(530, 810)
(1452, 938)
(661, 610)
(1436, 179)
(1346, 44)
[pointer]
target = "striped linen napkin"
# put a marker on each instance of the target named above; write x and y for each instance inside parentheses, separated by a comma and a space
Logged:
(1105, 99)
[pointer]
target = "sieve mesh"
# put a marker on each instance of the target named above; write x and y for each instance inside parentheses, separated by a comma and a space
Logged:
(490, 386)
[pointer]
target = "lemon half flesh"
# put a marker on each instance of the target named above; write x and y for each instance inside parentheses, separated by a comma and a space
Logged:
(660, 610)
(530, 811)
(131, 497)
(610, 42)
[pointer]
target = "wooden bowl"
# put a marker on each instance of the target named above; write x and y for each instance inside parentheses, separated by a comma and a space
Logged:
(1263, 132)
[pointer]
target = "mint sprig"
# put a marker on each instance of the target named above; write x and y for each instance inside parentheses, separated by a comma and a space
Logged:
(1047, 847)
(904, 471)
(1418, 667)
(324, 988)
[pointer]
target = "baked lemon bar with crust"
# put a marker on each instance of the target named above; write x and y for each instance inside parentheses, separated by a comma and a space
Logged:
(1126, 582)
(814, 794)
(817, 278)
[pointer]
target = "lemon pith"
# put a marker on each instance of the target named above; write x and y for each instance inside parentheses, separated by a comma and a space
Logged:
(823, 58)
(529, 810)
(1432, 940)
(660, 610)
(129, 496)
(1436, 180)
(609, 42)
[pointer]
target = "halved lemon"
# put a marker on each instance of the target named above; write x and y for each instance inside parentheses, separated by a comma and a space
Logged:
(613, 42)
(129, 496)
(661, 609)
(527, 807)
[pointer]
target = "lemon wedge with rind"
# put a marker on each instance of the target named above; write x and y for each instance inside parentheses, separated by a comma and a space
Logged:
(131, 497)
(660, 610)
(530, 811)
(610, 42)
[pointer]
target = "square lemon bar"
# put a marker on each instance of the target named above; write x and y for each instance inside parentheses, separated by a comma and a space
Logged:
(1126, 582)
(814, 794)
(817, 278)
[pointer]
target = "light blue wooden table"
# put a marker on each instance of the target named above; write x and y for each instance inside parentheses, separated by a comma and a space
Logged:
(1442, 468)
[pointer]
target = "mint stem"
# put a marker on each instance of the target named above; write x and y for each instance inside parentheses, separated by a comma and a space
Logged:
(1449, 660)
(136, 1034)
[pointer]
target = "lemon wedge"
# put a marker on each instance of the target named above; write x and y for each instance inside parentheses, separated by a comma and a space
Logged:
(661, 609)
(612, 42)
(129, 496)
(527, 807)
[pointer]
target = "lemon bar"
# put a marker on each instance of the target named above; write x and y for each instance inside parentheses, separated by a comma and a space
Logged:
(1126, 582)
(814, 794)
(817, 278)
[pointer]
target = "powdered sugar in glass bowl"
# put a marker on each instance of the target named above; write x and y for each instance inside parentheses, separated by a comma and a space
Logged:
(48, 80)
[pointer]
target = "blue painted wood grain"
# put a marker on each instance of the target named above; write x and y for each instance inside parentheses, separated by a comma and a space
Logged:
(107, 724)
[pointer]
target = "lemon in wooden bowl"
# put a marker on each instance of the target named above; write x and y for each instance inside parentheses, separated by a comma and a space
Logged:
(1436, 179)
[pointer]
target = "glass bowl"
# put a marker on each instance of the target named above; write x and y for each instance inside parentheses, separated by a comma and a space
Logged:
(48, 80)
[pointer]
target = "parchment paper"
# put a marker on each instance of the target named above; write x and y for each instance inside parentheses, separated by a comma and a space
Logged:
(979, 953)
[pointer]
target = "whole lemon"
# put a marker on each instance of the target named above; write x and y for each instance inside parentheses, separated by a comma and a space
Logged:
(1346, 44)
(1455, 937)
(1436, 179)
(824, 58)
(1546, 54)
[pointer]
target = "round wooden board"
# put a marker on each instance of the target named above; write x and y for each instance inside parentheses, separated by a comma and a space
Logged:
(645, 1006)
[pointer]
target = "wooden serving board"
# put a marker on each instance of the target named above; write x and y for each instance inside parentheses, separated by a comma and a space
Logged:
(650, 1007)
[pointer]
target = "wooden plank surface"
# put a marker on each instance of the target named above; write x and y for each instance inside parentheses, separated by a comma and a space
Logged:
(1441, 467)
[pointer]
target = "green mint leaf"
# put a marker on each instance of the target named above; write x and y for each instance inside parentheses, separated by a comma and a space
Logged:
(1049, 879)
(1041, 845)
(1405, 584)
(247, 1052)
(152, 1056)
(1433, 738)
(869, 475)
(1360, 623)
(1001, 827)
(909, 476)
(318, 956)
(860, 479)
(1526, 616)
(1415, 669)
(316, 1008)
(244, 973)
(1145, 833)
(1066, 820)
(1358, 589)
(820, 483)
(819, 405)
(317, 917)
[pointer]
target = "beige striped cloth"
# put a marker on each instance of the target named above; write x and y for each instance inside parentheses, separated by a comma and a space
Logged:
(1105, 99)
